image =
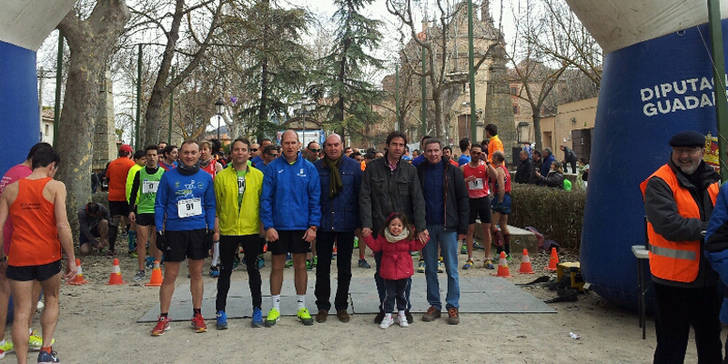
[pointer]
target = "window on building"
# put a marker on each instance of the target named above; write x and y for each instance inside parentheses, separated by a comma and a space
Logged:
(514, 90)
(516, 109)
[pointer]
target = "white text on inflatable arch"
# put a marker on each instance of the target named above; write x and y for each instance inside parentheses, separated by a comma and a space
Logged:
(680, 95)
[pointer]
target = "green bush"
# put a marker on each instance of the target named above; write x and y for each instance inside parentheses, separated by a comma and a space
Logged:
(555, 213)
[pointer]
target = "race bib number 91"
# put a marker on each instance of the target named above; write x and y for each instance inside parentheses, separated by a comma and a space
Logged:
(189, 207)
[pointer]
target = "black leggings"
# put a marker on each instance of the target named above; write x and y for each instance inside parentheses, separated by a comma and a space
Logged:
(228, 248)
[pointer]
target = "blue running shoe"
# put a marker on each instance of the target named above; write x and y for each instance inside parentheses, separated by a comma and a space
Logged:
(214, 272)
(257, 318)
(149, 262)
(261, 262)
(46, 357)
(221, 323)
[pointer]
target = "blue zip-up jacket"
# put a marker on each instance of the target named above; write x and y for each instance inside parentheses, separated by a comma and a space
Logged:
(546, 166)
(716, 244)
(340, 214)
(290, 198)
(174, 187)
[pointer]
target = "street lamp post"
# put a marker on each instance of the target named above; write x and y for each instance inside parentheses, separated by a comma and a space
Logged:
(219, 109)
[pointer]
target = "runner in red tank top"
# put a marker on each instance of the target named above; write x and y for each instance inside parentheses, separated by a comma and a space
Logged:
(37, 205)
(501, 204)
(477, 178)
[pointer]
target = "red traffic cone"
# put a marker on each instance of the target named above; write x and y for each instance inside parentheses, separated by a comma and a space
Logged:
(503, 270)
(156, 279)
(78, 279)
(525, 263)
(553, 260)
(115, 276)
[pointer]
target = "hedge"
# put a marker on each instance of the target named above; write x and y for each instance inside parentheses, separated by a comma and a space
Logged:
(555, 213)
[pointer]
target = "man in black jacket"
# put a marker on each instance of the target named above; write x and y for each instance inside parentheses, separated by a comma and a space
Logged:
(387, 186)
(446, 214)
(525, 168)
(569, 158)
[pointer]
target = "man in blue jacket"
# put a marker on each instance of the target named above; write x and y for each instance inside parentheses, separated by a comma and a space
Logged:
(548, 158)
(290, 213)
(340, 182)
(184, 215)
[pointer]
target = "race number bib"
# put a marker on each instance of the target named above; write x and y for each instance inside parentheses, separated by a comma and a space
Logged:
(150, 186)
(476, 184)
(241, 185)
(189, 207)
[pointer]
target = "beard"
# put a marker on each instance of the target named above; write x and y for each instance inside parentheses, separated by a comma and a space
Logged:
(689, 169)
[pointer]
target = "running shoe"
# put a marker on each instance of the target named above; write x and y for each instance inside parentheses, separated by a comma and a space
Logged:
(464, 248)
(149, 262)
(364, 264)
(214, 272)
(133, 254)
(161, 327)
(304, 316)
(421, 266)
(46, 357)
(469, 263)
(5, 347)
(309, 264)
(139, 276)
(508, 258)
(488, 264)
(221, 322)
(35, 341)
(315, 260)
(257, 318)
(273, 316)
(198, 323)
(440, 266)
(477, 245)
(402, 320)
(387, 321)
(356, 242)
(261, 262)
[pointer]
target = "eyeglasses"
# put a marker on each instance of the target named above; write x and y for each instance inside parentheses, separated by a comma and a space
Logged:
(253, 149)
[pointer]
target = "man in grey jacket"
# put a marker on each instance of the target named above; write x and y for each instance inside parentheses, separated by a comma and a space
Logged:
(391, 186)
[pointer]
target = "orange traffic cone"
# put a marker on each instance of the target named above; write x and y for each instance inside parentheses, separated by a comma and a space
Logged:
(115, 277)
(525, 263)
(553, 260)
(503, 270)
(156, 279)
(78, 279)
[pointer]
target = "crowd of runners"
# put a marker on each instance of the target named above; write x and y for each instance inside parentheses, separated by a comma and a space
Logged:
(304, 205)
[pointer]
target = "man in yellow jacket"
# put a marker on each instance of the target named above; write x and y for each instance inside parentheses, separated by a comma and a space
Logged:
(237, 192)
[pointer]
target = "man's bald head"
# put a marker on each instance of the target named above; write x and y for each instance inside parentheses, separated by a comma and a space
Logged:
(333, 147)
(289, 134)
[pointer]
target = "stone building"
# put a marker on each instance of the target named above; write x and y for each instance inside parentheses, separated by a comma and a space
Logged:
(492, 96)
(572, 126)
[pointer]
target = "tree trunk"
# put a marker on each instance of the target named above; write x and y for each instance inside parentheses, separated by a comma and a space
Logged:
(536, 116)
(90, 43)
(153, 117)
(438, 113)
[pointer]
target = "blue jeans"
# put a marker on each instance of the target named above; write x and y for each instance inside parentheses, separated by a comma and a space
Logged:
(448, 241)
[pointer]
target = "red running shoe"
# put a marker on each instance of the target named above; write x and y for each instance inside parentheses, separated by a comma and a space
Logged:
(161, 327)
(198, 323)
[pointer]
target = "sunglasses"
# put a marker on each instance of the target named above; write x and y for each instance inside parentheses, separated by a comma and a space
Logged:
(253, 149)
(314, 150)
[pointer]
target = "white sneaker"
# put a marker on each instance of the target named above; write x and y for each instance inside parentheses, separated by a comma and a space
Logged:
(402, 320)
(387, 321)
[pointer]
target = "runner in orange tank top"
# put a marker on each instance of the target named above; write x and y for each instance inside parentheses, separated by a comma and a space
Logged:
(37, 206)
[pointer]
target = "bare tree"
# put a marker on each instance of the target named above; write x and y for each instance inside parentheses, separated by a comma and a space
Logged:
(437, 41)
(188, 29)
(91, 30)
(529, 61)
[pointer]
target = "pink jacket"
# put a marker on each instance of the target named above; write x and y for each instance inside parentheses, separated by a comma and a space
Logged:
(396, 259)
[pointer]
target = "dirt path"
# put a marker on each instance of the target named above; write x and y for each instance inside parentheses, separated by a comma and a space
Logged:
(97, 325)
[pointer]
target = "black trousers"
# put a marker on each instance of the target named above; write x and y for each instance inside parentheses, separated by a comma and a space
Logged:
(381, 287)
(676, 310)
(324, 250)
(395, 291)
(252, 246)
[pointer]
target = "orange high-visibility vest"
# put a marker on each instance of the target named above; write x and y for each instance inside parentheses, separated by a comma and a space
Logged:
(676, 260)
